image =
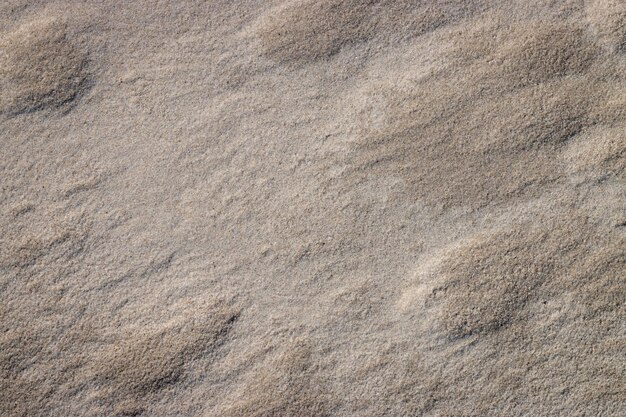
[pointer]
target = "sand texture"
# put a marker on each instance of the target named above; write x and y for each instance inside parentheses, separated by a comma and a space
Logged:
(312, 208)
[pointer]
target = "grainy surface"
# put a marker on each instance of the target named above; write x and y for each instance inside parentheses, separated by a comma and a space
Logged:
(312, 208)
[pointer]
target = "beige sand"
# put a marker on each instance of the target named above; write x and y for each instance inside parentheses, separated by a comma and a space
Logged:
(313, 208)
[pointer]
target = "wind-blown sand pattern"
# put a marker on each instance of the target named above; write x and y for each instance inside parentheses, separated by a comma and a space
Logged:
(313, 208)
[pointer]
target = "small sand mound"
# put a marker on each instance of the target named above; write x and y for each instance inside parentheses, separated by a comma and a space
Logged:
(28, 245)
(540, 116)
(40, 68)
(32, 375)
(285, 385)
(544, 52)
(122, 377)
(319, 29)
(31, 247)
(530, 310)
(315, 29)
(144, 363)
(491, 279)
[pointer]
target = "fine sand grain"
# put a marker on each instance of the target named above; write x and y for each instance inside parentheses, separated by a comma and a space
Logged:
(312, 208)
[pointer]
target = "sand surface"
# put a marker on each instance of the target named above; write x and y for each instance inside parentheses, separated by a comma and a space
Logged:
(312, 208)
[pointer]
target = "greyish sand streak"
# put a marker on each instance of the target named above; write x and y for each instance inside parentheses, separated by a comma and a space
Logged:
(312, 208)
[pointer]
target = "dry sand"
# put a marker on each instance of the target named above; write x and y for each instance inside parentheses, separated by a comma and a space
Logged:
(313, 208)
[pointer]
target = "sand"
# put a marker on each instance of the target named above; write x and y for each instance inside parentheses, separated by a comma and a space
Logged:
(312, 208)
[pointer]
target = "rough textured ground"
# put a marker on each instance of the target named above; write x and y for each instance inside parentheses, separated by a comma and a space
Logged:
(313, 208)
